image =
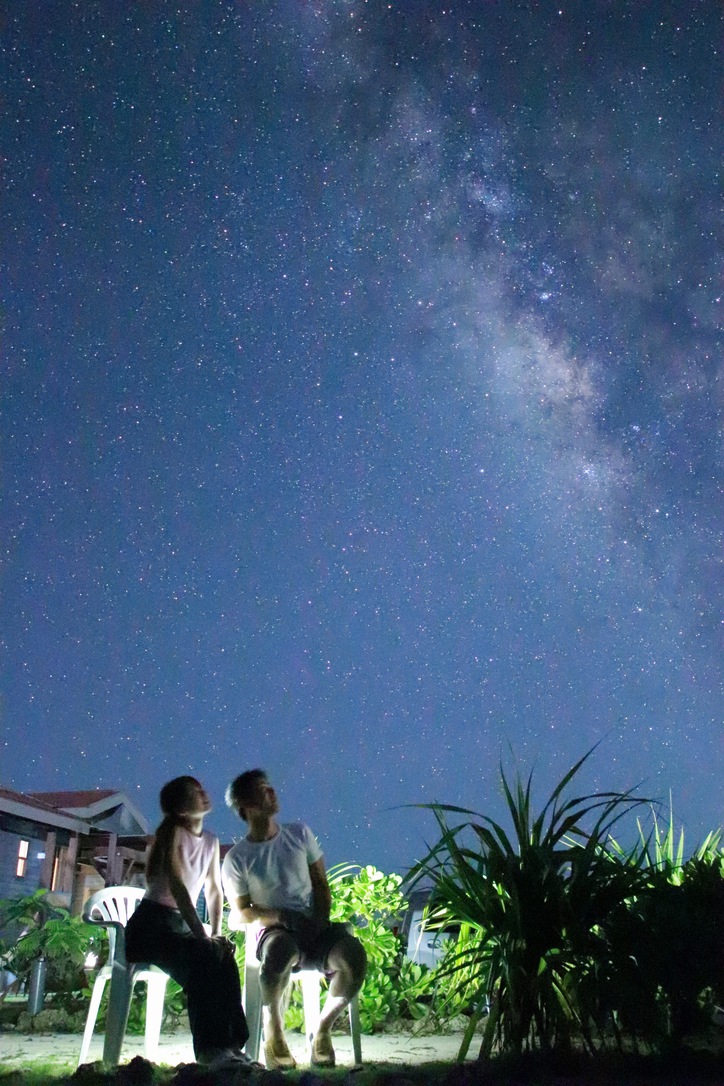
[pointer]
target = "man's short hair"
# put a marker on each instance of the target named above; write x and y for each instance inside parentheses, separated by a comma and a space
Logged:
(242, 790)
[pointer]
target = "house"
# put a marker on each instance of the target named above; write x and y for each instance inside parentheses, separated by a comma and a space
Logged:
(69, 842)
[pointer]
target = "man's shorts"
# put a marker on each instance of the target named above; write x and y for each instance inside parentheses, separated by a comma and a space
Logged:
(312, 952)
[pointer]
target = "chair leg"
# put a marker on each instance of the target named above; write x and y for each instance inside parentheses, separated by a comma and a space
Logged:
(96, 996)
(310, 1000)
(252, 1008)
(355, 1028)
(119, 1004)
(155, 992)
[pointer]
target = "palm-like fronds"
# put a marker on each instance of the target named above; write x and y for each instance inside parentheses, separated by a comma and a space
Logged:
(538, 898)
(668, 945)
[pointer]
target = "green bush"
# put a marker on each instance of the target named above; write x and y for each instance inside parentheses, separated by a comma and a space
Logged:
(372, 903)
(666, 969)
(45, 929)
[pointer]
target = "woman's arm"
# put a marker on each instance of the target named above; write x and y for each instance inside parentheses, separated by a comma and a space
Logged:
(213, 892)
(181, 896)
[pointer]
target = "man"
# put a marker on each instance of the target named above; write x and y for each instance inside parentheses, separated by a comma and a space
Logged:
(276, 876)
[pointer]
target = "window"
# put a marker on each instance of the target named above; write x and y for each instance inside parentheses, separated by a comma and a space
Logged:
(22, 859)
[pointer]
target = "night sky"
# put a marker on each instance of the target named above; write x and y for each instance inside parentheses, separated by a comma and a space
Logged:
(361, 382)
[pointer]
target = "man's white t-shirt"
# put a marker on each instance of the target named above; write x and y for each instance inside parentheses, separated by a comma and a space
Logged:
(274, 873)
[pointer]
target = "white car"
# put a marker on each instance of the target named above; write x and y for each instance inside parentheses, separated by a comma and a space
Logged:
(424, 946)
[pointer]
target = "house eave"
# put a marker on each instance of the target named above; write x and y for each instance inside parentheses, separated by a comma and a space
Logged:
(43, 817)
(111, 803)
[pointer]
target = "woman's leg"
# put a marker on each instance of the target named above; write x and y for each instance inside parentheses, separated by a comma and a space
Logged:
(214, 997)
(205, 970)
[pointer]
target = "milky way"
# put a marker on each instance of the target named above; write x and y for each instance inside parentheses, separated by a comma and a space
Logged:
(362, 381)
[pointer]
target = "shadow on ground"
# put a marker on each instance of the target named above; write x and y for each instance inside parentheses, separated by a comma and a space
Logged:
(686, 1068)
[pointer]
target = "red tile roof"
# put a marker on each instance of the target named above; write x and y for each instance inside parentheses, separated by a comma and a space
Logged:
(74, 799)
(30, 799)
(36, 809)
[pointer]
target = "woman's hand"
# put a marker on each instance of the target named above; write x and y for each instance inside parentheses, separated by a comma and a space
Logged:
(224, 942)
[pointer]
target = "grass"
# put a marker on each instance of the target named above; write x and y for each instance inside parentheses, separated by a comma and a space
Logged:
(685, 1067)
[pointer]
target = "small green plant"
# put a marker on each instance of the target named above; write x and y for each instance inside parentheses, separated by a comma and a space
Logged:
(372, 902)
(47, 930)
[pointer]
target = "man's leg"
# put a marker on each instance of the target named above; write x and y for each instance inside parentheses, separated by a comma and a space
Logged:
(346, 964)
(279, 955)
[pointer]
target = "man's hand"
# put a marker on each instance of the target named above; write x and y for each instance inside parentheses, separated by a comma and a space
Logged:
(309, 927)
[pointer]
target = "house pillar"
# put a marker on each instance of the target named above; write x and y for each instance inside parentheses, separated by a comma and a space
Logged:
(112, 865)
(84, 874)
(46, 871)
(77, 897)
(70, 857)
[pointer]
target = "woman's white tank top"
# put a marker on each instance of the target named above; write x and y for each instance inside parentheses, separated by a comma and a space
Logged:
(196, 853)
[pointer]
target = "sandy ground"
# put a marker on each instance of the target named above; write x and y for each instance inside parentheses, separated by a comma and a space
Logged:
(18, 1050)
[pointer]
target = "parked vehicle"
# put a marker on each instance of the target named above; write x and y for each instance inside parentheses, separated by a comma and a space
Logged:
(423, 945)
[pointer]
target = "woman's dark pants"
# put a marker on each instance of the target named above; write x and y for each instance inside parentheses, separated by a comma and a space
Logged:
(205, 970)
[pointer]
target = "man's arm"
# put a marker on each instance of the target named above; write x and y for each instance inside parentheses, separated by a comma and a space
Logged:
(321, 894)
(243, 912)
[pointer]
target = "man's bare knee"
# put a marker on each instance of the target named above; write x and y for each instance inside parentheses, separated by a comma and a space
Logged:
(348, 959)
(280, 954)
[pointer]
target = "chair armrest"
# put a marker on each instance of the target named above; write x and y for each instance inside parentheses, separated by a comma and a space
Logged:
(104, 923)
(116, 938)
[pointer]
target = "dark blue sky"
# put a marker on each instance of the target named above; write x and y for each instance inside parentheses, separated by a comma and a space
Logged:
(360, 402)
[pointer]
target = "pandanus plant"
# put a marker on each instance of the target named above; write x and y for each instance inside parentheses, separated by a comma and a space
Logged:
(537, 902)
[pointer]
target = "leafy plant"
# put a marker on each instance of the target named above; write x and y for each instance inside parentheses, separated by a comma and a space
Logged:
(23, 914)
(371, 902)
(47, 930)
(537, 903)
(668, 947)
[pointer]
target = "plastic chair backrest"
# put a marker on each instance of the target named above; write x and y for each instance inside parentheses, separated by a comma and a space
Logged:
(110, 908)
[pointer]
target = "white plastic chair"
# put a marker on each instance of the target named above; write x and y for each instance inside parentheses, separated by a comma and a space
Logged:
(310, 981)
(110, 908)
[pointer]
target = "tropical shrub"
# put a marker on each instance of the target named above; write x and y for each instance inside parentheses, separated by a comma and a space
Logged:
(371, 902)
(538, 903)
(668, 947)
(45, 929)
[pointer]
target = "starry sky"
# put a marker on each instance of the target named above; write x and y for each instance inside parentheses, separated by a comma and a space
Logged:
(361, 380)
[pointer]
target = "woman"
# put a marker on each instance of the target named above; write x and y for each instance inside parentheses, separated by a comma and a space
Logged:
(166, 931)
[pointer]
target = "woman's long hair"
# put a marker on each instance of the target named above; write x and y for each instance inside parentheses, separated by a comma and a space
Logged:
(172, 799)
